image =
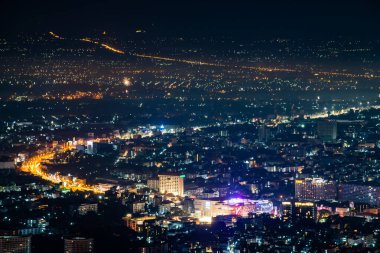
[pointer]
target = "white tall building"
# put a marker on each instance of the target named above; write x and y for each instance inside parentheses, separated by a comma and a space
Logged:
(171, 183)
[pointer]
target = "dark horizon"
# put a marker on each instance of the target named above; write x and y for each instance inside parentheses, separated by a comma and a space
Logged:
(316, 19)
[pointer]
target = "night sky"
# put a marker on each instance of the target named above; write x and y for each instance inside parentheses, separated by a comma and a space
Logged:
(241, 18)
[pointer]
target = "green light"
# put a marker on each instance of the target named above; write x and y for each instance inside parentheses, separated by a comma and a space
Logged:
(65, 190)
(182, 176)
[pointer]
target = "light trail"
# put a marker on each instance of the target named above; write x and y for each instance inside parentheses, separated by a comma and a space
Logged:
(179, 60)
(34, 166)
(112, 49)
(89, 41)
(106, 46)
(56, 36)
(201, 63)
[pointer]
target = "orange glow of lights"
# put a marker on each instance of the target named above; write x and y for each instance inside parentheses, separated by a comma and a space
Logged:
(34, 166)
(127, 81)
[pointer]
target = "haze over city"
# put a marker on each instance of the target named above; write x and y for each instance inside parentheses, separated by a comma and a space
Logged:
(193, 126)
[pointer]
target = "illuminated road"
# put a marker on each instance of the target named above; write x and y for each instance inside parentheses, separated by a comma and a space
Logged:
(34, 166)
(262, 69)
(201, 63)
(325, 114)
(56, 36)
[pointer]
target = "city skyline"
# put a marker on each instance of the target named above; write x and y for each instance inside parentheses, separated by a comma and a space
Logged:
(189, 126)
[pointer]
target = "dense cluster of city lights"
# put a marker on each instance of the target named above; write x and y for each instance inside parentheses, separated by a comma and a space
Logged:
(326, 114)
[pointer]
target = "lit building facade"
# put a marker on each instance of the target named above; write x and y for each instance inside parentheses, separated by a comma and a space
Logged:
(153, 184)
(298, 211)
(315, 189)
(139, 224)
(79, 245)
(234, 206)
(171, 183)
(85, 208)
(138, 207)
(211, 208)
(15, 244)
(360, 193)
(305, 210)
(287, 211)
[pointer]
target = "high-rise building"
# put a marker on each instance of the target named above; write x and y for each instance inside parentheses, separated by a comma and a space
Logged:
(138, 207)
(171, 183)
(79, 245)
(15, 244)
(360, 193)
(315, 189)
(298, 211)
(153, 183)
(304, 210)
(287, 210)
(327, 130)
(188, 205)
